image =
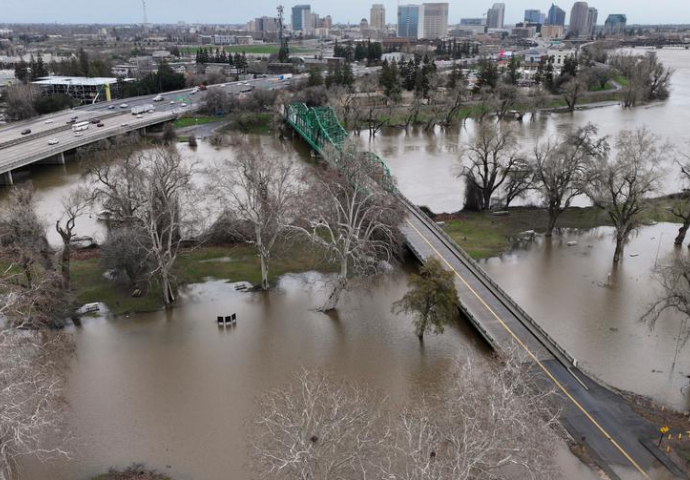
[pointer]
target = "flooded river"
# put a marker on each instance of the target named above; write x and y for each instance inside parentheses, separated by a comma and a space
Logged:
(173, 390)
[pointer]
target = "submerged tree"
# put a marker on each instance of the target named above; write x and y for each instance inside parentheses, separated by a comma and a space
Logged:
(620, 186)
(562, 168)
(489, 159)
(432, 298)
(353, 219)
(262, 192)
(680, 207)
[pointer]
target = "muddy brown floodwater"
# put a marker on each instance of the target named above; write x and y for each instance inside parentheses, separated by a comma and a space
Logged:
(172, 390)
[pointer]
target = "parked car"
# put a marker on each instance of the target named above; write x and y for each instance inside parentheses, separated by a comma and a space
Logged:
(99, 124)
(26, 131)
(53, 141)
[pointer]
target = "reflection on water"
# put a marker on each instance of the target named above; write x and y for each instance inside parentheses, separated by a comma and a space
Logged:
(425, 164)
(594, 310)
(174, 389)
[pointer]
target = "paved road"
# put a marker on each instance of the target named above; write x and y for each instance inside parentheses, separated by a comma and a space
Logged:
(595, 416)
(17, 150)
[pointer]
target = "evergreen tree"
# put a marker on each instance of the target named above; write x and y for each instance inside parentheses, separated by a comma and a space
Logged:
(21, 71)
(41, 70)
(432, 299)
(83, 63)
(513, 70)
(315, 78)
(488, 73)
(389, 80)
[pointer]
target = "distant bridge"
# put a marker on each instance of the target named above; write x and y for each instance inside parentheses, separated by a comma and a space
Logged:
(619, 440)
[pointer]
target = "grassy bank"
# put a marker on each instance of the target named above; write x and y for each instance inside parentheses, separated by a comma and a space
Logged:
(485, 235)
(232, 263)
(260, 123)
(194, 120)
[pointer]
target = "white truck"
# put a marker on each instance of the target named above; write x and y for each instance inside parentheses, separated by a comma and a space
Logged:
(138, 110)
(285, 76)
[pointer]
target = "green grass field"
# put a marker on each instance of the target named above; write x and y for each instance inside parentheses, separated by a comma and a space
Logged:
(195, 120)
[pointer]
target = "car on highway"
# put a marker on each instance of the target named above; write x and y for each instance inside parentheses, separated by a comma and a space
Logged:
(94, 121)
(53, 141)
(111, 107)
(74, 118)
(124, 105)
(78, 134)
(49, 121)
(222, 85)
(194, 90)
(26, 131)
(125, 124)
(99, 124)
(158, 98)
(172, 102)
(68, 122)
(183, 105)
(140, 116)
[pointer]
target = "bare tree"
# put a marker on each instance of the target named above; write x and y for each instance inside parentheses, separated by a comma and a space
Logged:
(316, 428)
(506, 96)
(23, 234)
(620, 186)
(165, 215)
(537, 100)
(562, 168)
(483, 425)
(490, 158)
(19, 101)
(119, 184)
(354, 220)
(454, 100)
(574, 89)
(681, 203)
(73, 206)
(262, 191)
(520, 180)
(126, 252)
(674, 279)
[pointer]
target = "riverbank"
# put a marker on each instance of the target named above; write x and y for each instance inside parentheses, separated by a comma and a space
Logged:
(135, 472)
(233, 263)
(488, 234)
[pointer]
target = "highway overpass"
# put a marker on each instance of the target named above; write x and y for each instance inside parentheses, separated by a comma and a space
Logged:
(18, 151)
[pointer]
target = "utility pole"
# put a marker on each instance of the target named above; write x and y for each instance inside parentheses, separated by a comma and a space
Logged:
(143, 2)
(284, 51)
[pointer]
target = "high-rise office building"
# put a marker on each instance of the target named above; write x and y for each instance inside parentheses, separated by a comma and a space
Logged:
(435, 24)
(578, 19)
(495, 15)
(556, 16)
(533, 16)
(377, 17)
(266, 24)
(301, 18)
(592, 17)
(410, 21)
(615, 23)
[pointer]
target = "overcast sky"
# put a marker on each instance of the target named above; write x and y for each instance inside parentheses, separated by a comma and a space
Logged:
(240, 11)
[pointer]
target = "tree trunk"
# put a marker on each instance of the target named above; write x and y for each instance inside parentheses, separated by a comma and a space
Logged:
(421, 329)
(168, 294)
(620, 241)
(553, 216)
(66, 257)
(682, 231)
(334, 296)
(486, 198)
(264, 271)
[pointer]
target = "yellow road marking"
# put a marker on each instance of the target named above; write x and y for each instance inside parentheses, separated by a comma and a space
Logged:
(529, 352)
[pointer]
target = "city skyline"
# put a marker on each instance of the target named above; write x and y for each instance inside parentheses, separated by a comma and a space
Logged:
(172, 11)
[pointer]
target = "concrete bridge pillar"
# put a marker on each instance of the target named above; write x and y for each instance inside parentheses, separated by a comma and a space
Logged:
(58, 159)
(6, 178)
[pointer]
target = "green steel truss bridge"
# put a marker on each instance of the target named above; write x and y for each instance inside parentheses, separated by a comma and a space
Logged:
(322, 130)
(614, 435)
